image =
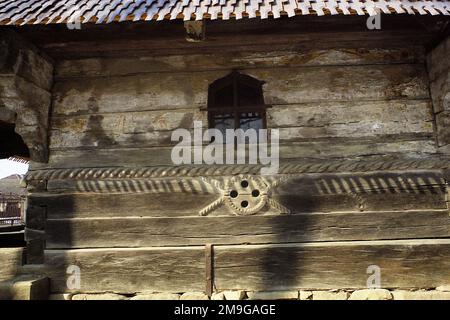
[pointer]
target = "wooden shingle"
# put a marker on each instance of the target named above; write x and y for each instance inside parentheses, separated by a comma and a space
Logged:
(20, 12)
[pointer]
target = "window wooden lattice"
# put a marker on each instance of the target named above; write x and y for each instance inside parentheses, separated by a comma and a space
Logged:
(236, 101)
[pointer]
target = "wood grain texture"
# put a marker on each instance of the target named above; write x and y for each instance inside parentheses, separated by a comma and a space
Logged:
(21, 58)
(142, 232)
(159, 91)
(109, 67)
(443, 130)
(341, 102)
(122, 205)
(362, 202)
(148, 128)
(352, 119)
(435, 163)
(10, 262)
(295, 122)
(173, 204)
(129, 270)
(139, 39)
(329, 148)
(35, 251)
(403, 264)
(36, 215)
(186, 196)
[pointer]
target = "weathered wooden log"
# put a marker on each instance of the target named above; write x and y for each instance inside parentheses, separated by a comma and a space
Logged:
(128, 270)
(330, 148)
(331, 265)
(10, 261)
(314, 227)
(111, 67)
(310, 122)
(285, 86)
(402, 263)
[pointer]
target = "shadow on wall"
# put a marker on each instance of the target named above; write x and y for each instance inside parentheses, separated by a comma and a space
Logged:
(309, 262)
(281, 261)
(95, 134)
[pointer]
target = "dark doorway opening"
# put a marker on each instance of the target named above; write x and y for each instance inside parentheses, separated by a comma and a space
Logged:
(11, 144)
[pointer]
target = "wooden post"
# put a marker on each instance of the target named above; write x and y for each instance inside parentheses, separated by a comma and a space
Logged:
(209, 269)
(195, 31)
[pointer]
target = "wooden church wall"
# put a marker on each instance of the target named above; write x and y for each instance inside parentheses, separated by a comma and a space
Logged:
(325, 219)
(326, 103)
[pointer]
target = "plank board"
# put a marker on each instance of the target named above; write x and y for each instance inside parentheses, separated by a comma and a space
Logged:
(172, 197)
(187, 204)
(148, 128)
(168, 38)
(352, 119)
(10, 262)
(107, 67)
(128, 270)
(160, 91)
(142, 232)
(321, 149)
(122, 205)
(403, 264)
(307, 121)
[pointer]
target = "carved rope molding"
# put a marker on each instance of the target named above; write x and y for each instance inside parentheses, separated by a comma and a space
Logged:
(297, 167)
(248, 194)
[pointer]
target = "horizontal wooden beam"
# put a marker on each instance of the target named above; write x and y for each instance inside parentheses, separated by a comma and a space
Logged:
(144, 232)
(11, 260)
(305, 122)
(123, 66)
(167, 37)
(332, 265)
(402, 263)
(370, 149)
(128, 270)
(100, 193)
(285, 86)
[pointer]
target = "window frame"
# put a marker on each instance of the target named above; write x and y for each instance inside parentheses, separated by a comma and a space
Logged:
(235, 78)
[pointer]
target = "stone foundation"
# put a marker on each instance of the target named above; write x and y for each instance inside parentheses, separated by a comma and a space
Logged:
(440, 293)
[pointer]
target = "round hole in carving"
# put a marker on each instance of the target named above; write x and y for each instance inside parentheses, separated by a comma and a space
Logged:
(244, 204)
(244, 184)
(234, 194)
(255, 193)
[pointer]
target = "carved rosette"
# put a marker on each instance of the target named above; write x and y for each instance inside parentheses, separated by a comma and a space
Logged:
(244, 195)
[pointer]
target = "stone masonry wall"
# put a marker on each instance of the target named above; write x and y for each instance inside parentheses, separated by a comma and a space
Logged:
(440, 293)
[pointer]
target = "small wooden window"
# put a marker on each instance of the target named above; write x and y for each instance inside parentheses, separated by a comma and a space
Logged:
(236, 101)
